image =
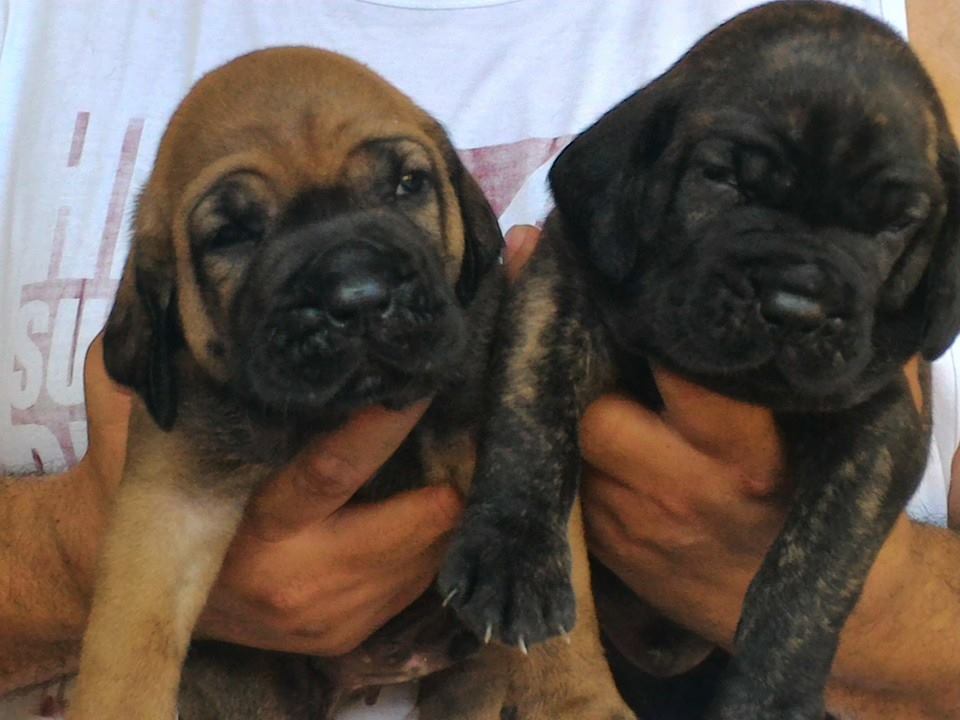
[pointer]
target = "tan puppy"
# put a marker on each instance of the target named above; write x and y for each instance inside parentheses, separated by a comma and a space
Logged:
(307, 244)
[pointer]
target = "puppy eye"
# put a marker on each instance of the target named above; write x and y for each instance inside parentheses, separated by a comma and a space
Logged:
(235, 212)
(232, 234)
(915, 212)
(411, 183)
(722, 174)
(900, 212)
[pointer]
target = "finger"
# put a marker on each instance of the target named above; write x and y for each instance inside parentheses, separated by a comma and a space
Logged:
(723, 427)
(625, 440)
(521, 241)
(356, 613)
(108, 413)
(637, 447)
(912, 371)
(327, 473)
(413, 585)
(607, 523)
(339, 617)
(109, 400)
(398, 529)
(362, 614)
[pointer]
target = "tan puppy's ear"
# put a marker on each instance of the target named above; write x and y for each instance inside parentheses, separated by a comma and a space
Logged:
(482, 239)
(143, 330)
(942, 278)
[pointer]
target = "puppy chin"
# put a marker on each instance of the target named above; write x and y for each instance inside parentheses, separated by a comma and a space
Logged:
(736, 351)
(814, 376)
(324, 387)
(327, 400)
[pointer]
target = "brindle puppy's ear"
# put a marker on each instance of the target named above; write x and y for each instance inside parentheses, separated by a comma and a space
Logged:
(143, 330)
(605, 176)
(942, 278)
(482, 239)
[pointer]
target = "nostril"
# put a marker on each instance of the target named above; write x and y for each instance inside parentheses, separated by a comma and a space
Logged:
(350, 297)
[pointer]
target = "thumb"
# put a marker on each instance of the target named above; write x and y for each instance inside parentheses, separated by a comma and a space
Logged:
(521, 241)
(326, 474)
(401, 527)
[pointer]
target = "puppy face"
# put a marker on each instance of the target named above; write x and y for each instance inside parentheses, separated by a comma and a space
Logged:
(785, 226)
(308, 236)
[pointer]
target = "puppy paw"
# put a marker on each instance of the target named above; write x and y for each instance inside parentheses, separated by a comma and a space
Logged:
(509, 580)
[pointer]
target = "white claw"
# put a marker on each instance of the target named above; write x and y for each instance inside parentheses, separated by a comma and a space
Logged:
(450, 596)
(488, 634)
(523, 646)
(565, 636)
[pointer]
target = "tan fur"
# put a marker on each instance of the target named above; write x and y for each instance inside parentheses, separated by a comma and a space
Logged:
(161, 555)
(449, 463)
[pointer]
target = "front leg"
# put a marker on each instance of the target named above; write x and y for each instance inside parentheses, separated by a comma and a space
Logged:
(164, 546)
(508, 571)
(855, 471)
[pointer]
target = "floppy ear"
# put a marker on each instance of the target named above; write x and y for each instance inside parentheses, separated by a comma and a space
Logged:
(482, 239)
(143, 330)
(942, 278)
(603, 176)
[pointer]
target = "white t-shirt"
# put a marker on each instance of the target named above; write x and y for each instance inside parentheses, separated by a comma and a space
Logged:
(86, 89)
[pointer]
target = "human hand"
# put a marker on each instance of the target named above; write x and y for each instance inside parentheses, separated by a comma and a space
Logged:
(684, 505)
(308, 572)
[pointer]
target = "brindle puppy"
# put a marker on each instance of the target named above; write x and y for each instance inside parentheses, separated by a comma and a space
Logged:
(307, 244)
(777, 218)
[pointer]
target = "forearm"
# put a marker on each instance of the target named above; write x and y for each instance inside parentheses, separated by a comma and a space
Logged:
(898, 654)
(47, 536)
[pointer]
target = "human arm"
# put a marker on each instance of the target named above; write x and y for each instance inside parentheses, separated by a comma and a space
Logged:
(683, 507)
(305, 573)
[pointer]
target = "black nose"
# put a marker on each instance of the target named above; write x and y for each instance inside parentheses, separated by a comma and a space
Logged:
(794, 297)
(356, 281)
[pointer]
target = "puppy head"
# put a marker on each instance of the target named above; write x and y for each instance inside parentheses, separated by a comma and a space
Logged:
(779, 214)
(307, 238)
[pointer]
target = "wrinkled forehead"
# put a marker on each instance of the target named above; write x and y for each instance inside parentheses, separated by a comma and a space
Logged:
(305, 109)
(800, 93)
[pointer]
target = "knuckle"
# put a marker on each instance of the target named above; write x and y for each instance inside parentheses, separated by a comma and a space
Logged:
(330, 476)
(447, 507)
(758, 484)
(281, 602)
(339, 642)
(610, 533)
(676, 509)
(623, 536)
